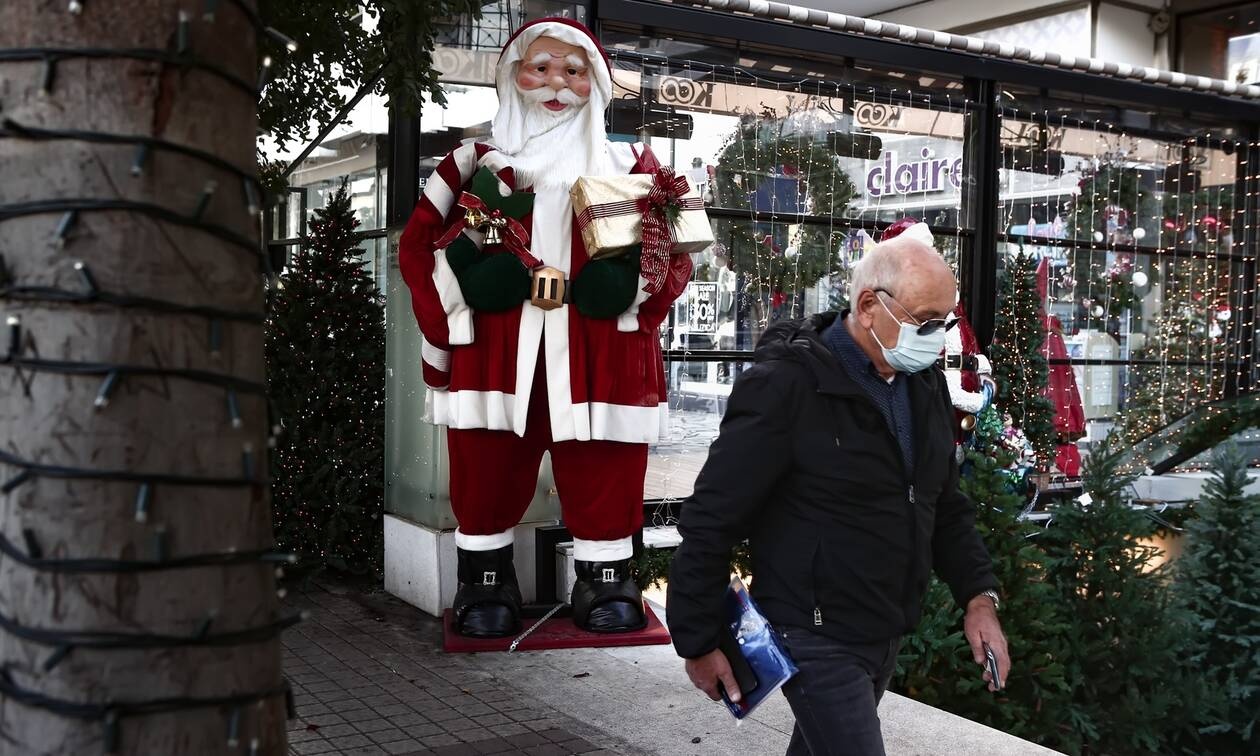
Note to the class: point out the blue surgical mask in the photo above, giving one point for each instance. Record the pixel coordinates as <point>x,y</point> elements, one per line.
<point>913,352</point>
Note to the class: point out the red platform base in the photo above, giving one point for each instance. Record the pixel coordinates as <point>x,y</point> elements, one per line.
<point>555,633</point>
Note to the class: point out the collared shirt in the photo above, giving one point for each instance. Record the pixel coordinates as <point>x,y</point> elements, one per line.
<point>892,397</point>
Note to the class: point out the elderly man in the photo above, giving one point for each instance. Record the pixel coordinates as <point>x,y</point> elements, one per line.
<point>836,461</point>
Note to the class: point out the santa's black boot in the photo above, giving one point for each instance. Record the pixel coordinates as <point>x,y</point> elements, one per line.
<point>488,602</point>
<point>606,598</point>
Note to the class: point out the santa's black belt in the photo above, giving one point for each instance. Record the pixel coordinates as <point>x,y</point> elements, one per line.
<point>957,362</point>
<point>545,288</point>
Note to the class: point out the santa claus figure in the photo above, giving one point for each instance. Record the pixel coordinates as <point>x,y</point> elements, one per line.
<point>537,350</point>
<point>968,373</point>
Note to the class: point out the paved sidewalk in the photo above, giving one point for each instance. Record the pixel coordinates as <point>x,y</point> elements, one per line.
<point>370,678</point>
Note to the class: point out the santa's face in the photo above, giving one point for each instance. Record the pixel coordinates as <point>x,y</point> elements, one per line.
<point>554,76</point>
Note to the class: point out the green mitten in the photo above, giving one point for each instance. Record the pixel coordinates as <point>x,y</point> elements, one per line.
<point>606,288</point>
<point>462,253</point>
<point>494,283</point>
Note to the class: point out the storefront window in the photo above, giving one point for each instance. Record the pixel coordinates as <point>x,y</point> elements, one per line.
<point>797,178</point>
<point>1223,43</point>
<point>1139,267</point>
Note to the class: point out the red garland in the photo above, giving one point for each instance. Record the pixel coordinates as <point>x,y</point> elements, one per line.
<point>667,193</point>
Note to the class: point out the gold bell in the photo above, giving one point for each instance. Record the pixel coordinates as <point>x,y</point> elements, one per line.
<point>493,231</point>
<point>474,218</point>
<point>968,423</point>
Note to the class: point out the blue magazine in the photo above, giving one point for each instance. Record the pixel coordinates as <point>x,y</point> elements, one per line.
<point>760,647</point>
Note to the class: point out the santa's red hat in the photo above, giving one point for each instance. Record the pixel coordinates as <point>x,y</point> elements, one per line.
<point>507,135</point>
<point>544,27</point>
<point>911,228</point>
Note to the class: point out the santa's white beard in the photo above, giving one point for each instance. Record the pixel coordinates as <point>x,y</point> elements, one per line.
<point>560,147</point>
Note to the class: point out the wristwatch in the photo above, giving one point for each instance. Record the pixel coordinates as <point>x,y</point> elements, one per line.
<point>993,595</point>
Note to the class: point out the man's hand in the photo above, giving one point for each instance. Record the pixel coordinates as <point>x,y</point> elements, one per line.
<point>981,626</point>
<point>708,670</point>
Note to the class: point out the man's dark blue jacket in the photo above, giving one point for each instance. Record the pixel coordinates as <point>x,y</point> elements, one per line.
<point>805,467</point>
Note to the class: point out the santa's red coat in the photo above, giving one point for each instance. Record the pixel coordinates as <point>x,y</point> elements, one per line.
<point>605,378</point>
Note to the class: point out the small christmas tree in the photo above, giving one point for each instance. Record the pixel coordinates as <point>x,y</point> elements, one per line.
<point>1019,363</point>
<point>325,349</point>
<point>1218,582</point>
<point>1133,691</point>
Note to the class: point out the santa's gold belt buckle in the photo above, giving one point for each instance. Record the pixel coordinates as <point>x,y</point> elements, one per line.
<point>548,289</point>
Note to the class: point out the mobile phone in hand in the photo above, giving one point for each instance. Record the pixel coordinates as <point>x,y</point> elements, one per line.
<point>990,659</point>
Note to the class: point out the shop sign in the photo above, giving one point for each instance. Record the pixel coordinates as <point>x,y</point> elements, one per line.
<point>683,92</point>
<point>460,66</point>
<point>893,176</point>
<point>702,297</point>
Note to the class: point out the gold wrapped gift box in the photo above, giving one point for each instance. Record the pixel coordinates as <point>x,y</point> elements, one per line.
<point>609,211</point>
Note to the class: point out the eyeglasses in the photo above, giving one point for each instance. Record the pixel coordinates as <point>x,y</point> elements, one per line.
<point>926,327</point>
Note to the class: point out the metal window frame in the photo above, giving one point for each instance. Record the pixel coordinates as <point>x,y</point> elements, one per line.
<point>983,78</point>
<point>901,55</point>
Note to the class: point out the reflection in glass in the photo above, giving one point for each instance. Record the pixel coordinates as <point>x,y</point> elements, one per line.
<point>1186,444</point>
<point>796,177</point>
<point>1137,236</point>
<point>697,398</point>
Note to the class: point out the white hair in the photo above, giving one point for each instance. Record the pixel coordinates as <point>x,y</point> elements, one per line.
<point>878,269</point>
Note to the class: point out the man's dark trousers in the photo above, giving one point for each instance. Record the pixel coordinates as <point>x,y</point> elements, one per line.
<point>835,694</point>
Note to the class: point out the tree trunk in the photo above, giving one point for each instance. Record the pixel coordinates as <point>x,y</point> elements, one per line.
<point>153,425</point>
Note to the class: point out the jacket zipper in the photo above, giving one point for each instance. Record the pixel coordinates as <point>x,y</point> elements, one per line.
<point>914,530</point>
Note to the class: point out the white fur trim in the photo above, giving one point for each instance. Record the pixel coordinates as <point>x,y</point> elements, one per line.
<point>628,321</point>
<point>603,551</point>
<point>982,365</point>
<point>624,423</point>
<point>551,237</point>
<point>427,414</point>
<point>484,542</point>
<point>495,410</point>
<point>622,157</point>
<point>468,410</point>
<point>966,401</point>
<point>435,356</point>
<point>459,320</point>
<point>529,336</point>
<point>564,425</point>
<point>920,233</point>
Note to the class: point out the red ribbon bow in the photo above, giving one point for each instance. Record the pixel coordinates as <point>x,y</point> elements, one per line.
<point>667,191</point>
<point>515,236</point>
